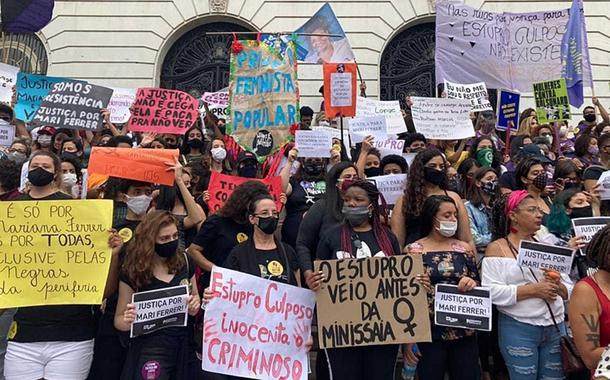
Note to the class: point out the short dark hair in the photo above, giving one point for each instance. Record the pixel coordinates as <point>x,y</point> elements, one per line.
<point>116,140</point>
<point>588,107</point>
<point>77,165</point>
<point>523,168</point>
<point>600,127</point>
<point>394,159</point>
<point>7,109</point>
<point>306,111</point>
<point>603,140</point>
<point>9,175</point>
<point>77,142</point>
<point>563,168</point>
<point>581,145</point>
<point>410,138</point>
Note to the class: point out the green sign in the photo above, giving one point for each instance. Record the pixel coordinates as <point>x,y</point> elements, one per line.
<point>552,103</point>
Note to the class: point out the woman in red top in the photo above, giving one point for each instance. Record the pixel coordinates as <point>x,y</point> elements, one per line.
<point>589,309</point>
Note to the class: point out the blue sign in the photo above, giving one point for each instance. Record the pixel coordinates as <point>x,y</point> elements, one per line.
<point>508,109</point>
<point>31,89</point>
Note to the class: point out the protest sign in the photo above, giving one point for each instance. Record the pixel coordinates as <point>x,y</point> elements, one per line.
<point>221,187</point>
<point>467,310</point>
<point>475,92</point>
<point>333,132</point>
<point>409,157</point>
<point>362,126</point>
<point>587,227</point>
<point>371,301</point>
<point>277,318</point>
<point>387,147</point>
<point>121,100</point>
<point>552,103</point>
<point>147,165</point>
<point>604,182</point>
<point>163,111</point>
<point>313,143</point>
<point>263,97</point>
<point>7,133</point>
<point>73,105</point>
<point>218,110</point>
<point>340,89</point>
<point>544,256</point>
<point>392,186</point>
<point>54,252</point>
<point>31,89</point>
<point>160,308</point>
<point>503,50</point>
<point>8,79</point>
<point>508,109</point>
<point>389,109</point>
<point>442,119</point>
<point>220,98</point>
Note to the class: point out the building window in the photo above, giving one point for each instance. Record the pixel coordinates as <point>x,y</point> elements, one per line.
<point>26,51</point>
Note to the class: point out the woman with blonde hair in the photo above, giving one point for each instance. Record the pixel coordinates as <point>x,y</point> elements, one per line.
<point>528,126</point>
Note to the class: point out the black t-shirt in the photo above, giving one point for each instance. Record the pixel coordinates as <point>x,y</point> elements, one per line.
<point>66,323</point>
<point>268,264</point>
<point>304,195</point>
<point>364,244</point>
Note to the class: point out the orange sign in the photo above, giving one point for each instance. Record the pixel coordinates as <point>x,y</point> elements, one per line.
<point>340,89</point>
<point>147,165</point>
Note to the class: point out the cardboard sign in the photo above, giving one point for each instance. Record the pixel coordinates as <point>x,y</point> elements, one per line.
<point>121,100</point>
<point>442,119</point>
<point>313,143</point>
<point>392,186</point>
<point>147,165</point>
<point>256,328</point>
<point>508,109</point>
<point>158,309</point>
<point>476,93</point>
<point>31,90</point>
<point>552,102</point>
<point>388,147</point>
<point>360,127</point>
<point>8,79</point>
<point>221,187</point>
<point>390,109</point>
<point>163,111</point>
<point>263,97</point>
<point>587,227</point>
<point>544,256</point>
<point>372,301</point>
<point>604,182</point>
<point>7,133</point>
<point>220,98</point>
<point>54,252</point>
<point>466,310</point>
<point>340,89</point>
<point>73,105</point>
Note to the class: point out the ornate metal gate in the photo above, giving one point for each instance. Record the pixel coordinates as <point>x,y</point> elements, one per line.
<point>24,50</point>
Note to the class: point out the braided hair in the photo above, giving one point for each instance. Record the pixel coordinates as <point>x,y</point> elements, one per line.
<point>598,250</point>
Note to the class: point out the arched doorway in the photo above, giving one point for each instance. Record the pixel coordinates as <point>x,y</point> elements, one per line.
<point>26,51</point>
<point>407,64</point>
<point>200,61</point>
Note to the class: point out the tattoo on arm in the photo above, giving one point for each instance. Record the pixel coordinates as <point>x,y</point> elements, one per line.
<point>592,322</point>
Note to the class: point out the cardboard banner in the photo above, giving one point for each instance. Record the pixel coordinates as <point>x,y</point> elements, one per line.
<point>362,126</point>
<point>504,50</point>
<point>392,186</point>
<point>475,92</point>
<point>221,187</point>
<point>313,143</point>
<point>390,109</point>
<point>552,103</point>
<point>604,182</point>
<point>372,301</point>
<point>508,110</point>
<point>158,309</point>
<point>466,310</point>
<point>147,165</point>
<point>54,252</point>
<point>163,111</point>
<point>121,100</point>
<point>256,328</point>
<point>263,97</point>
<point>220,98</point>
<point>544,256</point>
<point>7,133</point>
<point>340,89</point>
<point>388,147</point>
<point>587,227</point>
<point>442,119</point>
<point>31,90</point>
<point>73,105</point>
<point>8,79</point>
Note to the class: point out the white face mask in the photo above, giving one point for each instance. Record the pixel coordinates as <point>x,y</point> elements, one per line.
<point>447,228</point>
<point>44,140</point>
<point>139,205</point>
<point>219,154</point>
<point>69,179</point>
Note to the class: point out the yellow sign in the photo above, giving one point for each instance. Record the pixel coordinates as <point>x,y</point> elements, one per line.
<point>54,252</point>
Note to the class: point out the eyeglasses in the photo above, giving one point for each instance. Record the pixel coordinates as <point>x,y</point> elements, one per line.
<point>533,210</point>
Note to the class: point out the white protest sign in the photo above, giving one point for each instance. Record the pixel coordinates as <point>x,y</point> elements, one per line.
<point>277,321</point>
<point>8,79</point>
<point>587,227</point>
<point>121,100</point>
<point>409,157</point>
<point>389,109</point>
<point>360,127</point>
<point>544,256</point>
<point>158,309</point>
<point>313,143</point>
<point>219,110</point>
<point>392,186</point>
<point>387,147</point>
<point>441,118</point>
<point>7,133</point>
<point>604,181</point>
<point>220,98</point>
<point>467,310</point>
<point>476,93</point>
<point>341,90</point>
<point>333,132</point>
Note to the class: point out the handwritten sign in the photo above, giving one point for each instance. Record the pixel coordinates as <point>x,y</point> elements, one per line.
<point>387,147</point>
<point>7,133</point>
<point>31,90</point>
<point>261,325</point>
<point>222,186</point>
<point>313,143</point>
<point>54,252</point>
<point>587,227</point>
<point>552,102</point>
<point>390,109</point>
<point>544,256</point>
<point>467,310</point>
<point>340,89</point>
<point>392,186</point>
<point>220,97</point>
<point>475,92</point>
<point>147,165</point>
<point>121,100</point>
<point>508,109</point>
<point>8,79</point>
<point>372,301</point>
<point>160,308</point>
<point>604,182</point>
<point>442,119</point>
<point>362,126</point>
<point>163,111</point>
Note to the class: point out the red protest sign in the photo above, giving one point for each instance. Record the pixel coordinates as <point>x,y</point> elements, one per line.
<point>221,187</point>
<point>340,89</point>
<point>163,111</point>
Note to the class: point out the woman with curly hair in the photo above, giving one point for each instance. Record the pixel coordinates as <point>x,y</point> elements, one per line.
<point>153,262</point>
<point>586,151</point>
<point>427,177</point>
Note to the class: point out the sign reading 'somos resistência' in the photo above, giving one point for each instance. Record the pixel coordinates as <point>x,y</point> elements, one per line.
<point>160,308</point>
<point>587,227</point>
<point>54,252</point>
<point>544,256</point>
<point>371,301</point>
<point>469,310</point>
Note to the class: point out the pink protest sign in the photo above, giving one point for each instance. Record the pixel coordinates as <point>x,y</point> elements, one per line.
<point>163,111</point>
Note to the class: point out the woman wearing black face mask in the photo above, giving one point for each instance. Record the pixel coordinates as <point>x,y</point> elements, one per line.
<point>193,145</point>
<point>479,195</point>
<point>567,205</point>
<point>154,261</point>
<point>533,177</point>
<point>369,160</point>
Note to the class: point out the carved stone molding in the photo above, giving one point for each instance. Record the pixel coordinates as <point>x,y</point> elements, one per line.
<point>218,6</point>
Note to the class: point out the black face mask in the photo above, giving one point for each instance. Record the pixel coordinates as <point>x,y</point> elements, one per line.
<point>313,169</point>
<point>581,212</point>
<point>268,224</point>
<point>168,249</point>
<point>248,171</point>
<point>40,177</point>
<point>70,155</point>
<point>195,143</point>
<point>590,117</point>
<point>223,130</point>
<point>372,172</point>
<point>453,184</point>
<point>172,146</point>
<point>435,177</point>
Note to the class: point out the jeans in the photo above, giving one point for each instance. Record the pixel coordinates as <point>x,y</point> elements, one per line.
<point>530,352</point>
<point>460,357</point>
